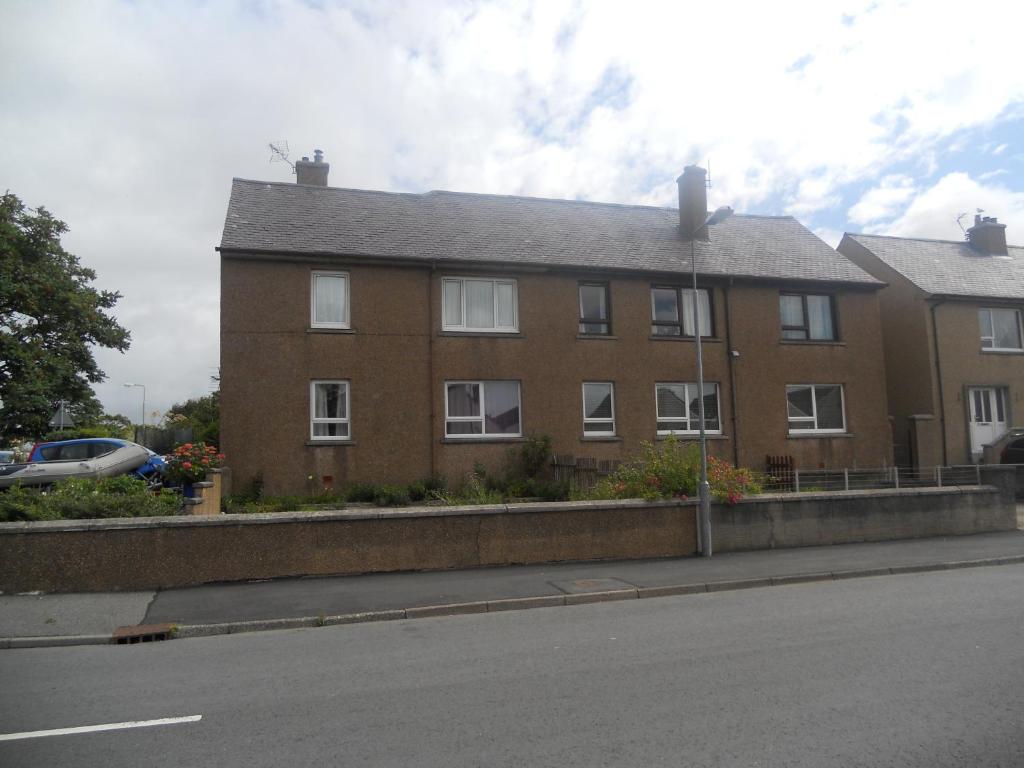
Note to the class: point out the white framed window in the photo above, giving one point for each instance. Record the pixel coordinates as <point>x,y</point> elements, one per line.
<point>595,309</point>
<point>807,317</point>
<point>480,409</point>
<point>598,408</point>
<point>678,408</point>
<point>672,311</point>
<point>329,300</point>
<point>1000,330</point>
<point>479,304</point>
<point>816,408</point>
<point>329,410</point>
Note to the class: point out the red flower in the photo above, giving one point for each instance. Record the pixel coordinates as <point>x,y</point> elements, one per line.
<point>186,465</point>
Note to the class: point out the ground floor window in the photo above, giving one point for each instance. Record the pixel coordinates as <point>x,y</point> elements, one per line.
<point>678,408</point>
<point>482,409</point>
<point>598,408</point>
<point>329,411</point>
<point>815,408</point>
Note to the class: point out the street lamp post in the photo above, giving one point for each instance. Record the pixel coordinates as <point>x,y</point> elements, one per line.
<point>705,488</point>
<point>129,384</point>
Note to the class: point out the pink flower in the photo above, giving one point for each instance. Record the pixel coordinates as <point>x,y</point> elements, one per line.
<point>186,465</point>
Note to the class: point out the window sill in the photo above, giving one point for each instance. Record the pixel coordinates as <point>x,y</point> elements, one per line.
<point>601,439</point>
<point>818,435</point>
<point>485,439</point>
<point>688,436</point>
<point>596,336</point>
<point>812,343</point>
<point>330,330</point>
<point>1002,351</point>
<point>484,334</point>
<point>328,443</point>
<point>691,339</point>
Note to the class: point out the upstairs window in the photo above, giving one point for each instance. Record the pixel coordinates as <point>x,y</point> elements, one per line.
<point>672,311</point>
<point>328,410</point>
<point>482,409</point>
<point>815,408</point>
<point>1000,330</point>
<point>595,314</point>
<point>598,409</point>
<point>678,408</point>
<point>479,304</point>
<point>807,317</point>
<point>329,300</point>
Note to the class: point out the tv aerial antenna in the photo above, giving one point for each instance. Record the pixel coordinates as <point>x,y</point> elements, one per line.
<point>279,153</point>
<point>960,218</point>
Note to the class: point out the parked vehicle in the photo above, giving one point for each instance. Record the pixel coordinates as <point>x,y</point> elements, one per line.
<point>1013,453</point>
<point>87,457</point>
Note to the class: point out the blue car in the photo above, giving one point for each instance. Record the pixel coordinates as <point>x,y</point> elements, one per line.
<point>91,448</point>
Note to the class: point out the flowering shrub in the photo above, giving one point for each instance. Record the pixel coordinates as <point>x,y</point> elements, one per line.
<point>674,472</point>
<point>190,462</point>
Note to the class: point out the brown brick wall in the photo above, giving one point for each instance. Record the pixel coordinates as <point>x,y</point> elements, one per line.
<point>397,361</point>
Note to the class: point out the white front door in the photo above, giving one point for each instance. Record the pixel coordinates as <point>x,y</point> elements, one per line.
<point>988,416</point>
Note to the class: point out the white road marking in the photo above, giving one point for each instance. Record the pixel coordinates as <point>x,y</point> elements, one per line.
<point>103,727</point>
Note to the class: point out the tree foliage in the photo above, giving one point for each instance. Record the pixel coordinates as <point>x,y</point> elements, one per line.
<point>200,413</point>
<point>50,318</point>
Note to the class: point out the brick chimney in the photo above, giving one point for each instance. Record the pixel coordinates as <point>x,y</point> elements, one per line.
<point>693,203</point>
<point>987,236</point>
<point>314,172</point>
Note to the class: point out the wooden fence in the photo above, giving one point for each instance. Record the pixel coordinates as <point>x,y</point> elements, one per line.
<point>580,471</point>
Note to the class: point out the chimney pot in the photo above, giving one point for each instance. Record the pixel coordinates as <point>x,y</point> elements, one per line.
<point>315,172</point>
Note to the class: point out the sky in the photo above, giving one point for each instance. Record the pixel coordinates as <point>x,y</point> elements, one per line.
<point>128,120</point>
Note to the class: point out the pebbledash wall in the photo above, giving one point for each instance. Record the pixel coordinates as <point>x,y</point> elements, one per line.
<point>152,553</point>
<point>397,360</point>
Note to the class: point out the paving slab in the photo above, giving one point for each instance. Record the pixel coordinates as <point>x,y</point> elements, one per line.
<point>71,615</point>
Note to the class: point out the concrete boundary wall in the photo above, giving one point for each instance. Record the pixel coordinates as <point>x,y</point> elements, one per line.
<point>153,553</point>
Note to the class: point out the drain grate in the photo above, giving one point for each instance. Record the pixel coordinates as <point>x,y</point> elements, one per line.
<point>144,633</point>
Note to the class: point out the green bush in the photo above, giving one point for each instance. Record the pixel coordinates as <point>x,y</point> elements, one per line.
<point>673,471</point>
<point>80,498</point>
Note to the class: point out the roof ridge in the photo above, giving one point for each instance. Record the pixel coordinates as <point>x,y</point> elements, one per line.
<point>922,239</point>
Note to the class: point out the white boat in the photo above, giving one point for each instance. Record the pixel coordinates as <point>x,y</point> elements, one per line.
<point>119,461</point>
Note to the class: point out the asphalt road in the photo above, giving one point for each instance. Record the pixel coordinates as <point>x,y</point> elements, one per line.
<point>913,670</point>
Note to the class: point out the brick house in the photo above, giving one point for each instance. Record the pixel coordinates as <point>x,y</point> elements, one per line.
<point>391,337</point>
<point>954,348</point>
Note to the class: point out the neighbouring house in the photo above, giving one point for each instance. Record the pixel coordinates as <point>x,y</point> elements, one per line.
<point>374,336</point>
<point>954,348</point>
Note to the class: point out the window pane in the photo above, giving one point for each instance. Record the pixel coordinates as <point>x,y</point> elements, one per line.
<point>506,305</point>
<point>479,304</point>
<point>672,401</point>
<point>330,299</point>
<point>452,302</point>
<point>800,404</point>
<point>593,302</point>
<point>597,401</point>
<point>791,310</point>
<point>463,399</point>
<point>1006,328</point>
<point>464,428</point>
<point>819,311</point>
<point>333,429</point>
<point>594,328</point>
<point>830,407</point>
<point>711,407</point>
<point>705,312</point>
<point>977,405</point>
<point>329,401</point>
<point>674,426</point>
<point>599,427</point>
<point>793,333</point>
<point>501,399</point>
<point>664,305</point>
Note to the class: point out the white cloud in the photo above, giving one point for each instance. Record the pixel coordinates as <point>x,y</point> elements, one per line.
<point>882,201</point>
<point>128,119</point>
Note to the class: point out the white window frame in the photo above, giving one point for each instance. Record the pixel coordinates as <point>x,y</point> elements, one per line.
<point>992,331</point>
<point>482,418</point>
<point>314,420</point>
<point>813,418</point>
<point>689,420</point>
<point>494,281</point>
<point>344,324</point>
<point>602,422</point>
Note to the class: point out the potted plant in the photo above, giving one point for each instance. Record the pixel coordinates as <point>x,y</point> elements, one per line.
<point>188,464</point>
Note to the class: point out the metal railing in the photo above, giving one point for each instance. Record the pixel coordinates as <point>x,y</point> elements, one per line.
<point>810,480</point>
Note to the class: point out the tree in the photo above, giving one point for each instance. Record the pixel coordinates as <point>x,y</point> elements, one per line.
<point>200,413</point>
<point>50,317</point>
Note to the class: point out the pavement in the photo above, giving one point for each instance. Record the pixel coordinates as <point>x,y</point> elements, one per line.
<point>40,620</point>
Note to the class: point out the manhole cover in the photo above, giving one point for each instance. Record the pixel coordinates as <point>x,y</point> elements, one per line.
<point>582,586</point>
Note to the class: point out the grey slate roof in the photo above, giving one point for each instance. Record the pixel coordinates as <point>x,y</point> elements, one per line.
<point>454,227</point>
<point>948,267</point>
